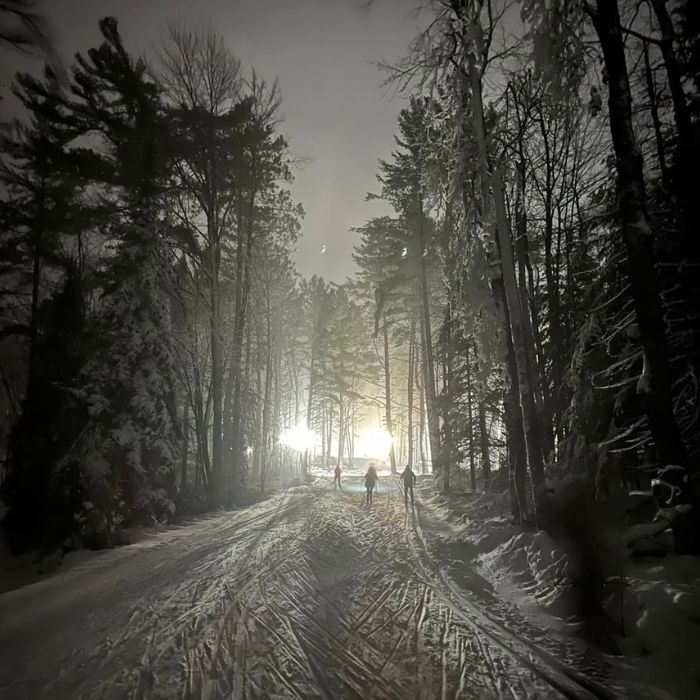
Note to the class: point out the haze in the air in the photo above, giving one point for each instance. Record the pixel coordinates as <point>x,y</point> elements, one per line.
<point>442,444</point>
<point>324,53</point>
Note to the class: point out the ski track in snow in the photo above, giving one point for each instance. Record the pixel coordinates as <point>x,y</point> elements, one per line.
<point>307,595</point>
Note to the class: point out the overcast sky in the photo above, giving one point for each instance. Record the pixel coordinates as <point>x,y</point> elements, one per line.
<point>336,114</point>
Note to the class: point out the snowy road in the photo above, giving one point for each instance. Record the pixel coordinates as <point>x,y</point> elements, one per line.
<point>306,595</point>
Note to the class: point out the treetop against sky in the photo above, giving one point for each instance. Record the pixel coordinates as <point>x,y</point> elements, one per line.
<point>339,117</point>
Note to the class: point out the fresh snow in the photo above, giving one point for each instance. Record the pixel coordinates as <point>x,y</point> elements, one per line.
<point>308,594</point>
<point>654,603</point>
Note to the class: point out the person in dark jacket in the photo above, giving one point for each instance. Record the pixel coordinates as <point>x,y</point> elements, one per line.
<point>409,478</point>
<point>370,482</point>
<point>336,481</point>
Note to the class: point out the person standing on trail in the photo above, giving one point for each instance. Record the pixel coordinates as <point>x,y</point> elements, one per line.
<point>409,478</point>
<point>370,482</point>
<point>336,481</point>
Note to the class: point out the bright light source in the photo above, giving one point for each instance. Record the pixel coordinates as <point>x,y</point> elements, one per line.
<point>299,438</point>
<point>375,443</point>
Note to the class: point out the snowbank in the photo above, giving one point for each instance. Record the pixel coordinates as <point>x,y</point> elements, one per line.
<point>658,604</point>
<point>652,603</point>
<point>26,569</point>
<point>536,563</point>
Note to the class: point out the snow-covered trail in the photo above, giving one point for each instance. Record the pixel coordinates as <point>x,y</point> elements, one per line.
<point>308,594</point>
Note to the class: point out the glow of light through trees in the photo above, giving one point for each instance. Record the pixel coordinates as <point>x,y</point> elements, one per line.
<point>299,438</point>
<point>375,443</point>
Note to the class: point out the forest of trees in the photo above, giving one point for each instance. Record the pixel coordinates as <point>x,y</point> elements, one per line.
<point>544,245</point>
<point>147,235</point>
<point>527,316</point>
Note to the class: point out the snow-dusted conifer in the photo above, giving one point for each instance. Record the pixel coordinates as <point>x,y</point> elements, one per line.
<point>128,451</point>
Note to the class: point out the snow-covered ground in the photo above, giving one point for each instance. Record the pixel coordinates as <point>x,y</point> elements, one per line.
<point>652,603</point>
<point>308,594</point>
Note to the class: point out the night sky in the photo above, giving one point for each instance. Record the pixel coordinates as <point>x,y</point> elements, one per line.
<point>337,116</point>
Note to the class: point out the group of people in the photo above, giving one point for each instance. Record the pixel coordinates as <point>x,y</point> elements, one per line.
<point>371,477</point>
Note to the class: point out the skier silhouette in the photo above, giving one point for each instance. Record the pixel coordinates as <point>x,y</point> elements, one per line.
<point>409,478</point>
<point>370,482</point>
<point>336,481</point>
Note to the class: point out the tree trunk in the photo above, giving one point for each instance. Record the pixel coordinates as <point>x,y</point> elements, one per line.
<point>428,355</point>
<point>447,447</point>
<point>244,256</point>
<point>409,393</point>
<point>685,183</point>
<point>216,485</point>
<point>550,415</point>
<point>185,445</point>
<point>324,432</point>
<point>197,467</point>
<point>273,431</point>
<point>201,420</point>
<point>421,420</point>
<point>548,406</point>
<point>531,427</point>
<point>686,141</point>
<point>341,432</point>
<point>484,445</point>
<point>470,421</point>
<point>267,410</point>
<point>267,400</point>
<point>256,407</point>
<point>236,439</point>
<point>351,438</point>
<point>656,121</point>
<point>329,442</point>
<point>507,296</point>
<point>515,439</point>
<point>36,290</point>
<point>387,397</point>
<point>309,409</point>
<point>655,382</point>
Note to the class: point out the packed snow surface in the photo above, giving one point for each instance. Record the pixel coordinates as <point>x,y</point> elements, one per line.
<point>309,594</point>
